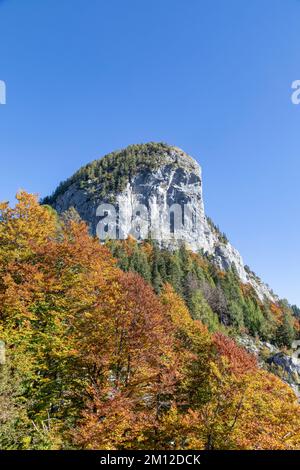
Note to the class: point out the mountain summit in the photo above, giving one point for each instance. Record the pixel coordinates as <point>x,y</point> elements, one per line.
<point>156,176</point>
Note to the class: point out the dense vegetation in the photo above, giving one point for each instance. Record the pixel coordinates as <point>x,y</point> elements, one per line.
<point>215,297</point>
<point>113,171</point>
<point>97,358</point>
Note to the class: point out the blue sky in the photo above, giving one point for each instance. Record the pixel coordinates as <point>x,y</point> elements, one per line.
<point>211,76</point>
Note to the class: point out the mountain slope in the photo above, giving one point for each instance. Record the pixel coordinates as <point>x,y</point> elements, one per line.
<point>156,176</point>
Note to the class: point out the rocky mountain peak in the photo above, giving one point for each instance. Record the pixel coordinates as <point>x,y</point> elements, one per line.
<point>163,180</point>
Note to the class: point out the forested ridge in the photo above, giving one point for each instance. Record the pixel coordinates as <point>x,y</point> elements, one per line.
<point>127,346</point>
<point>113,171</point>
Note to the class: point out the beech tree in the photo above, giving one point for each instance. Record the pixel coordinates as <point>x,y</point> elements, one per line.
<point>95,359</point>
<point>131,362</point>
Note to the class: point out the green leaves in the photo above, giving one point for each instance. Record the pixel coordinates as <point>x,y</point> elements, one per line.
<point>96,359</point>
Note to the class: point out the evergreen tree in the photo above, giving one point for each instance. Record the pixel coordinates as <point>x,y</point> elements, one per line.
<point>200,310</point>
<point>156,278</point>
<point>296,311</point>
<point>174,271</point>
<point>138,263</point>
<point>236,313</point>
<point>285,333</point>
<point>253,317</point>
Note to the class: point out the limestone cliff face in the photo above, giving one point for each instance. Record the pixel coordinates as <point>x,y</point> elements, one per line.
<point>157,178</point>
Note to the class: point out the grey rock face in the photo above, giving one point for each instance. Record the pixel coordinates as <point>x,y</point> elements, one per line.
<point>288,368</point>
<point>176,180</point>
<point>289,364</point>
<point>269,356</point>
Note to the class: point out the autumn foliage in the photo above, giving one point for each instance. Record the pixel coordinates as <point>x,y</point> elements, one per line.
<point>97,360</point>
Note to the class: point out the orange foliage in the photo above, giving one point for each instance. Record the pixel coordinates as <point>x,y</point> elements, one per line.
<point>247,289</point>
<point>148,249</point>
<point>277,312</point>
<point>239,360</point>
<point>131,369</point>
<point>132,360</point>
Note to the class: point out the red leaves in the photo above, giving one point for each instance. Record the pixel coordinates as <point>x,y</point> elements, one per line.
<point>131,369</point>
<point>239,361</point>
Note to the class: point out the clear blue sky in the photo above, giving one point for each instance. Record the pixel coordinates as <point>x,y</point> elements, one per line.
<point>211,76</point>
